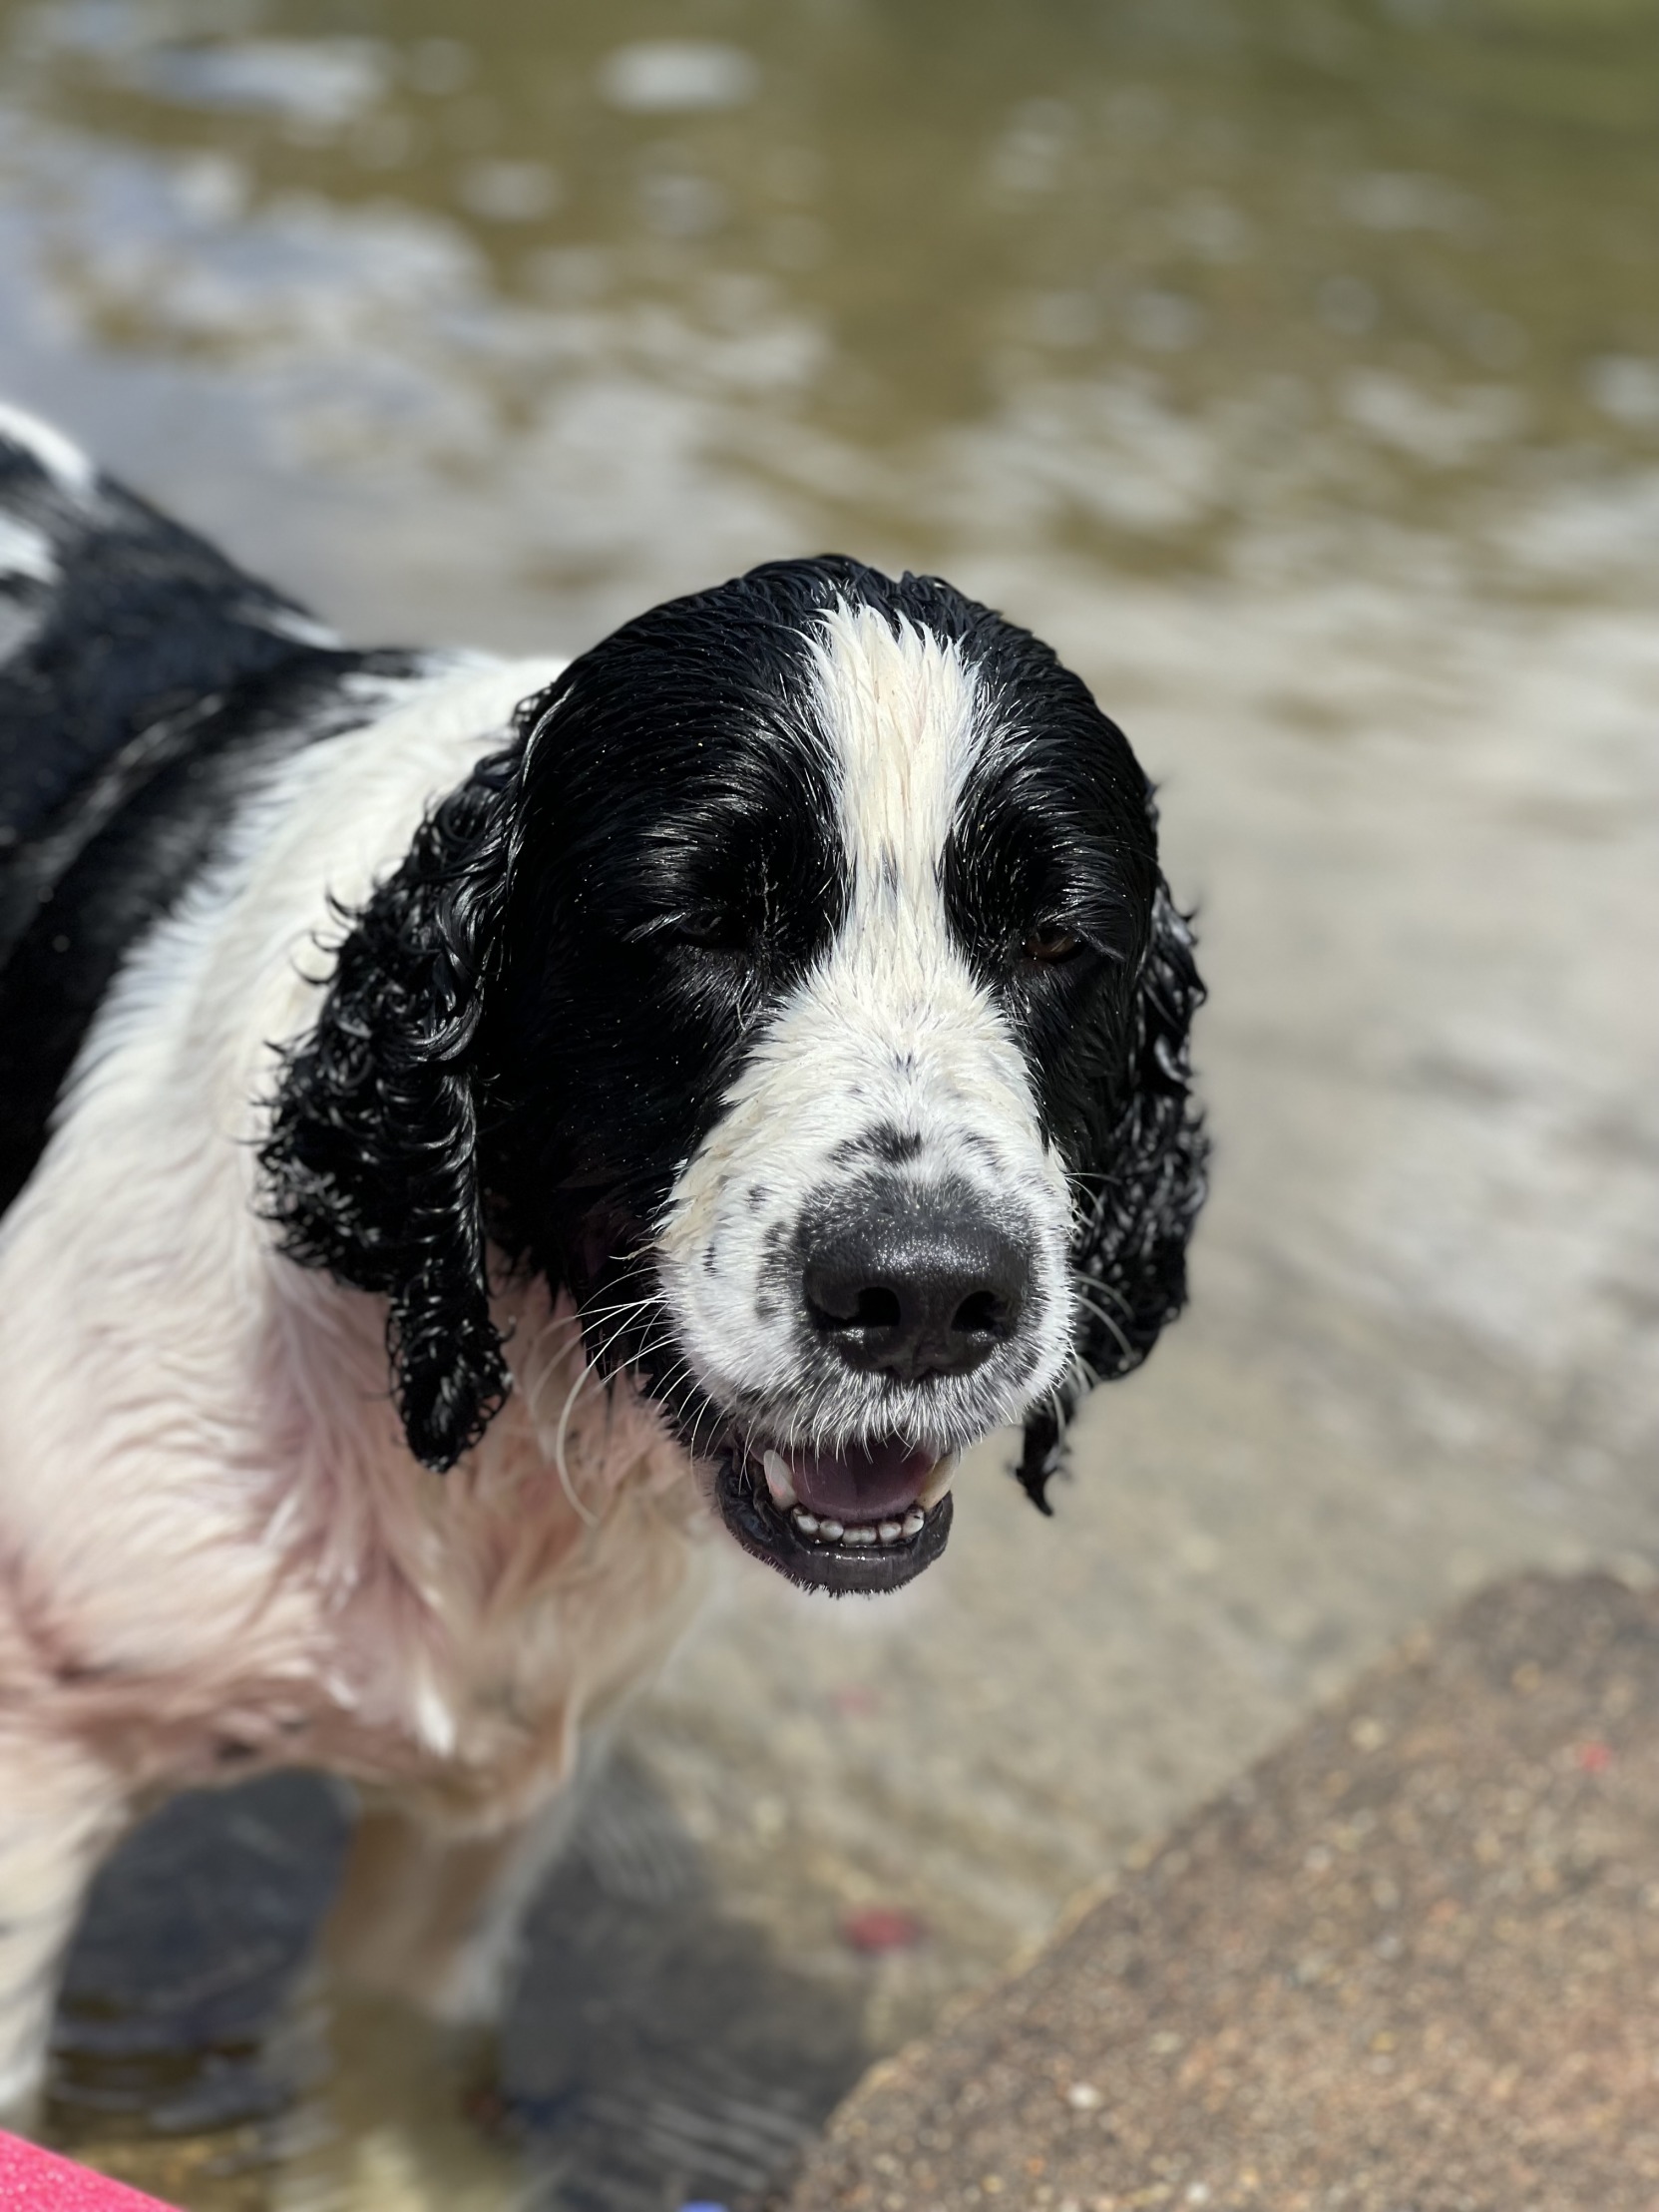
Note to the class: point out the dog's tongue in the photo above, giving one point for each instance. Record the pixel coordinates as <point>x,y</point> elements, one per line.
<point>871,1482</point>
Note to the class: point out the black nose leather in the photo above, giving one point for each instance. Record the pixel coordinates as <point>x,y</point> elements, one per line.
<point>912,1283</point>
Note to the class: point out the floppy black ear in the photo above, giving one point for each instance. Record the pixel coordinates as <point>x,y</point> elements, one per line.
<point>372,1153</point>
<point>1138,1200</point>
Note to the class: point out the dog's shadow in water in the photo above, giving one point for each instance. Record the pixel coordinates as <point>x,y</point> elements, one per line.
<point>656,2049</point>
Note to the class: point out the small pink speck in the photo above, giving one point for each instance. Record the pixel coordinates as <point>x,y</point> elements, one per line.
<point>877,1928</point>
<point>855,1702</point>
<point>1596,1759</point>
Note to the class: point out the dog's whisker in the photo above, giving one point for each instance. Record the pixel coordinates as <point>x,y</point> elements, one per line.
<point>612,1312</point>
<point>1110,1325</point>
<point>1094,1284</point>
<point>583,1511</point>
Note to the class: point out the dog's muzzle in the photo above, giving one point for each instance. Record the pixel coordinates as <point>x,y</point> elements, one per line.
<point>906,1291</point>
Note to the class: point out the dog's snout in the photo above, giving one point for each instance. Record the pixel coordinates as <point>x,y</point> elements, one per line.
<point>913,1284</point>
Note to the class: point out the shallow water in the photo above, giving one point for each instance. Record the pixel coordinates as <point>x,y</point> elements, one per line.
<point>1294,367</point>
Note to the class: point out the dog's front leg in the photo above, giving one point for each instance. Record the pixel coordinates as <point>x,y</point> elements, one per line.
<point>429,1914</point>
<point>60,1810</point>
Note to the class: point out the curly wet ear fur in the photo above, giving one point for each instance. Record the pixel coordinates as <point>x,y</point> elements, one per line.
<point>372,1153</point>
<point>1136,1205</point>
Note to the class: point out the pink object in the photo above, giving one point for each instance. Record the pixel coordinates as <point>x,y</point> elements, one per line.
<point>878,1927</point>
<point>33,2180</point>
<point>855,1703</point>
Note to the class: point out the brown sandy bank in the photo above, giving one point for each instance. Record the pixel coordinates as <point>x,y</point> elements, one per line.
<point>1410,1964</point>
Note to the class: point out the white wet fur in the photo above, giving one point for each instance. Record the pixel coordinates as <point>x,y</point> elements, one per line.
<point>211,1532</point>
<point>63,461</point>
<point>28,562</point>
<point>892,1029</point>
<point>26,552</point>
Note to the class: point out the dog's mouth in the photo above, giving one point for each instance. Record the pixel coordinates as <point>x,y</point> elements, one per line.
<point>865,1520</point>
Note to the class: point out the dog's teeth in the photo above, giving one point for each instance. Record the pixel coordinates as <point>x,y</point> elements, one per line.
<point>862,1533</point>
<point>778,1481</point>
<point>939,1482</point>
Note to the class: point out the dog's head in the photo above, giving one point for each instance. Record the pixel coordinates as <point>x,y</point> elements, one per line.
<point>800,992</point>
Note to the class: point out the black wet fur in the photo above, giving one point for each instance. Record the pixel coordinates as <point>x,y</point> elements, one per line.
<point>1141,1187</point>
<point>148,694</point>
<point>372,1158</point>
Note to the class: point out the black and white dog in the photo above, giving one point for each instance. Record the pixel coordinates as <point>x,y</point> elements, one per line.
<point>463,1125</point>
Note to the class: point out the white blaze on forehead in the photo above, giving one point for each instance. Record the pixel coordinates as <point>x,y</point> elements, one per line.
<point>901,711</point>
<point>892,1022</point>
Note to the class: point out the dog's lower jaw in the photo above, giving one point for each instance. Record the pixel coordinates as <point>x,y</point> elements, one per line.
<point>865,1559</point>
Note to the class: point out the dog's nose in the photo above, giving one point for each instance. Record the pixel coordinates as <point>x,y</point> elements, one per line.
<point>912,1285</point>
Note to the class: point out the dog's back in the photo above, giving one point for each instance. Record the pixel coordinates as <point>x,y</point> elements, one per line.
<point>139,672</point>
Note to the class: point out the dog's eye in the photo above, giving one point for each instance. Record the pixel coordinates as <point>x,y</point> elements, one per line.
<point>1051,944</point>
<point>708,929</point>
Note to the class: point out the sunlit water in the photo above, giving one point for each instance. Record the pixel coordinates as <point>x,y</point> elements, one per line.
<point>1294,368</point>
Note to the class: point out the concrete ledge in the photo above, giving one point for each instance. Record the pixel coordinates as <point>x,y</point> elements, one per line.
<point>1411,1964</point>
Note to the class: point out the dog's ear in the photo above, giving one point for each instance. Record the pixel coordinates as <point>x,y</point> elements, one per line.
<point>371,1157</point>
<point>1137,1200</point>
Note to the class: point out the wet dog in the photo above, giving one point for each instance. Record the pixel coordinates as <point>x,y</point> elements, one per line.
<point>466,1124</point>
